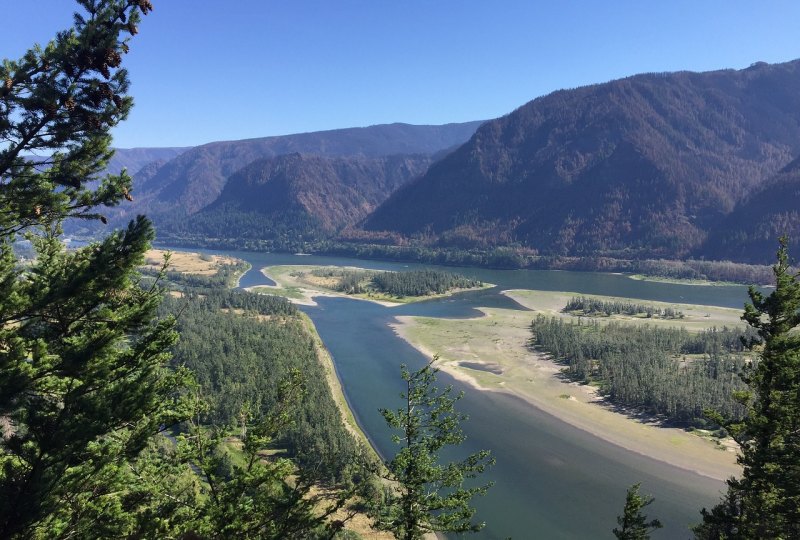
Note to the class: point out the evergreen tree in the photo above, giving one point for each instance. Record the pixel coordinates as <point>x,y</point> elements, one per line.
<point>765,501</point>
<point>430,496</point>
<point>253,499</point>
<point>633,523</point>
<point>83,381</point>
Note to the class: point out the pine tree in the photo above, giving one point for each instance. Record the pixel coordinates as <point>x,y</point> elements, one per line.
<point>765,501</point>
<point>83,380</point>
<point>430,496</point>
<point>254,499</point>
<point>633,523</point>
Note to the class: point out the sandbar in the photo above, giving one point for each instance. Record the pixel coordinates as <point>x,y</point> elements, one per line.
<point>497,345</point>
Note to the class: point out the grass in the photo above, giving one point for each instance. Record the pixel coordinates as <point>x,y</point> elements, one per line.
<point>186,262</point>
<point>286,292</point>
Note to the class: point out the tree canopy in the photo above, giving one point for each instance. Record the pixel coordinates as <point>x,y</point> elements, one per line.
<point>765,501</point>
<point>83,378</point>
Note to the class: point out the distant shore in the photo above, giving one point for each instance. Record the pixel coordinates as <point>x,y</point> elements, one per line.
<point>303,291</point>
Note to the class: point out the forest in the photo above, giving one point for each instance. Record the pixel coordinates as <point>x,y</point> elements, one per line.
<point>666,372</point>
<point>239,346</point>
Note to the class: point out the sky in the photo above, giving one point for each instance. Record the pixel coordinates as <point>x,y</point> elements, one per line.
<point>204,70</point>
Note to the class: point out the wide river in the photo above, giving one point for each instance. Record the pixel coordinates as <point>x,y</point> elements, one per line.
<point>551,479</point>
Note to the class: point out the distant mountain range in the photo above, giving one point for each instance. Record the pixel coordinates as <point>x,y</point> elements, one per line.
<point>298,198</point>
<point>647,166</point>
<point>170,190</point>
<point>659,165</point>
<point>133,159</point>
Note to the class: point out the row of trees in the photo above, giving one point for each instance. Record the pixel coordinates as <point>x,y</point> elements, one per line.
<point>594,307</point>
<point>411,283</point>
<point>650,368</point>
<point>510,257</point>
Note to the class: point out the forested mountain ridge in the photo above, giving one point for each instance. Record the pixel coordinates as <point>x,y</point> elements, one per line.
<point>644,166</point>
<point>748,233</point>
<point>297,196</point>
<point>196,178</point>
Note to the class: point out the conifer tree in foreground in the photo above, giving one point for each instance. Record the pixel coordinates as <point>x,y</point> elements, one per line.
<point>633,523</point>
<point>765,501</point>
<point>83,382</point>
<point>430,496</point>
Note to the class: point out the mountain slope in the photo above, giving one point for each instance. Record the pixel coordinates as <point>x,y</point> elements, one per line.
<point>196,178</point>
<point>750,232</point>
<point>642,166</point>
<point>297,197</point>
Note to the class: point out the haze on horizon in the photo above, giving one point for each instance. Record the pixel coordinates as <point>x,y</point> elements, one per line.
<point>202,71</point>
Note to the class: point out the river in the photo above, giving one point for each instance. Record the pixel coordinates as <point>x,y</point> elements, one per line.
<point>551,480</point>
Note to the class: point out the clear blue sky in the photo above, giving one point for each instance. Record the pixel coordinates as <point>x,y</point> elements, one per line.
<point>205,70</point>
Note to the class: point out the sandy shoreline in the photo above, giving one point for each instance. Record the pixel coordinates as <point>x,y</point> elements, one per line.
<point>490,354</point>
<point>508,366</point>
<point>307,294</point>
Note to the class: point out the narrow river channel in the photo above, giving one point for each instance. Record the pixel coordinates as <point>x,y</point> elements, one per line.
<point>551,480</point>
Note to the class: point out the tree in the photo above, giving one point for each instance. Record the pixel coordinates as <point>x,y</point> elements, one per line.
<point>430,496</point>
<point>83,379</point>
<point>254,499</point>
<point>633,523</point>
<point>765,501</point>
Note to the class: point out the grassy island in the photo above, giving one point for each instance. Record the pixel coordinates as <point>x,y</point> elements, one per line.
<point>300,283</point>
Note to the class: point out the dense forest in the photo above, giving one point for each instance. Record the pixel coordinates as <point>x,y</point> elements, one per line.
<point>593,307</point>
<point>239,346</point>
<point>641,167</point>
<point>666,372</point>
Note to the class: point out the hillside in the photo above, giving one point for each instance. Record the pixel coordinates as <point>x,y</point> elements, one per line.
<point>196,178</point>
<point>134,159</point>
<point>297,197</point>
<point>748,233</point>
<point>644,166</point>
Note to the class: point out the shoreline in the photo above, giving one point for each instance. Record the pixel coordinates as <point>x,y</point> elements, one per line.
<point>533,377</point>
<point>335,386</point>
<point>307,292</point>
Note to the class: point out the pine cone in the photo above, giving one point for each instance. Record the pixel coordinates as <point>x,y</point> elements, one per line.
<point>145,6</point>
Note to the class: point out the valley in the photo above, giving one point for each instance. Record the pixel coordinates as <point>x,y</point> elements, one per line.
<point>515,397</point>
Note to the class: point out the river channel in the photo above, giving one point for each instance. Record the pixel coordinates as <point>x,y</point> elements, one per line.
<point>551,480</point>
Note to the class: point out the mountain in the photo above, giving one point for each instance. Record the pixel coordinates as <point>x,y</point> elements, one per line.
<point>195,179</point>
<point>749,233</point>
<point>298,197</point>
<point>644,166</point>
<point>134,159</point>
